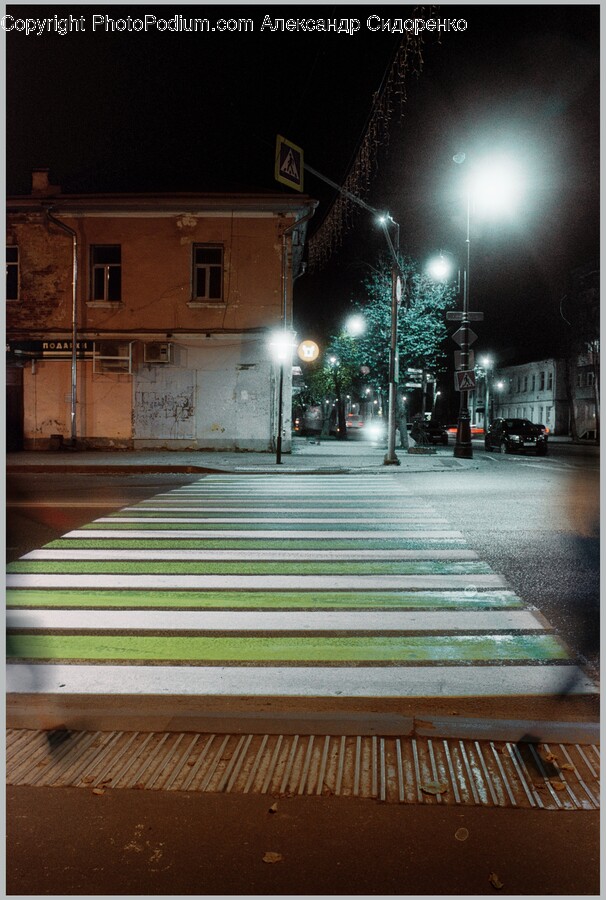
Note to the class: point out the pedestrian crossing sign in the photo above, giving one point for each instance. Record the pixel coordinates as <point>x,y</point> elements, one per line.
<point>465,381</point>
<point>289,163</point>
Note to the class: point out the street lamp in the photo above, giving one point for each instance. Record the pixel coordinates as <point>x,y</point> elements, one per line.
<point>281,344</point>
<point>494,186</point>
<point>396,296</point>
<point>487,365</point>
<point>355,325</point>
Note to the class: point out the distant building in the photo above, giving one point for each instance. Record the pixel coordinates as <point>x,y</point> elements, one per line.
<point>551,392</point>
<point>171,300</point>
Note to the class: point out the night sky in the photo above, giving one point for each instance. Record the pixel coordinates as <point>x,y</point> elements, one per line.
<point>200,112</point>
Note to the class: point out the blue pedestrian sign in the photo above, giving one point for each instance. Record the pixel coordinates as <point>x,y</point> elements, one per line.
<point>289,163</point>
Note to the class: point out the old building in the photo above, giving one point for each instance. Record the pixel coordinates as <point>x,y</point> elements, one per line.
<point>140,321</point>
<point>552,392</point>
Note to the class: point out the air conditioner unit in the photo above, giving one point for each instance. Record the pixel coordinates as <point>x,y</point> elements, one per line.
<point>158,352</point>
<point>112,357</point>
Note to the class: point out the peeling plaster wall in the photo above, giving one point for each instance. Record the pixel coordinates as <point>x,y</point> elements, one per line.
<point>163,405</point>
<point>219,395</point>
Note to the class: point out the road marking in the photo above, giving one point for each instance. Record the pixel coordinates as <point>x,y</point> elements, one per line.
<point>257,578</point>
<point>260,582</point>
<point>259,599</point>
<point>289,650</point>
<point>349,620</point>
<point>92,532</point>
<point>252,556</point>
<point>310,681</point>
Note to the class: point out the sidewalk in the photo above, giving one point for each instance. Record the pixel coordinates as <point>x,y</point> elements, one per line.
<point>307,457</point>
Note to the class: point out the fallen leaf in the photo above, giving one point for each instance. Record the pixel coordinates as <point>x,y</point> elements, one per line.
<point>495,881</point>
<point>434,787</point>
<point>271,857</point>
<point>139,786</point>
<point>98,791</point>
<point>568,766</point>
<point>461,834</point>
<point>558,785</point>
<point>273,809</point>
<point>87,779</point>
<point>550,757</point>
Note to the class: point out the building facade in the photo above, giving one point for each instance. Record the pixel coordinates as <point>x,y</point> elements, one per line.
<point>139,321</point>
<point>550,392</point>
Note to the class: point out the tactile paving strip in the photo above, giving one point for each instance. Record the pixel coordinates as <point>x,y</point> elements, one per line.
<point>390,769</point>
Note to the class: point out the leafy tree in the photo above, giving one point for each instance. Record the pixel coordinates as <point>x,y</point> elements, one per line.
<point>421,321</point>
<point>351,364</point>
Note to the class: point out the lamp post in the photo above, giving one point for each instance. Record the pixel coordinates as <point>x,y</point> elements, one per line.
<point>281,345</point>
<point>487,366</point>
<point>495,187</point>
<point>396,296</point>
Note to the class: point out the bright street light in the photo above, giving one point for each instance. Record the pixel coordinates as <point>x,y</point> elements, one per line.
<point>355,325</point>
<point>439,268</point>
<point>496,186</point>
<point>281,344</point>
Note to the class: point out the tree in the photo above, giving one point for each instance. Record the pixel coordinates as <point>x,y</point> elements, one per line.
<point>421,321</point>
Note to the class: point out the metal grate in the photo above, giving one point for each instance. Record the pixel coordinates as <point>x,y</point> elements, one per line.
<point>390,769</point>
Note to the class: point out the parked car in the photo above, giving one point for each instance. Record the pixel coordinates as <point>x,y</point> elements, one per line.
<point>516,435</point>
<point>429,432</point>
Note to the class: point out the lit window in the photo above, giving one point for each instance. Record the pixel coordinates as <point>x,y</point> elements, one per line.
<point>106,272</point>
<point>208,272</point>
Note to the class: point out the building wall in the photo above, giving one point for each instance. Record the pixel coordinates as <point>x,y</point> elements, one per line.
<point>522,396</point>
<point>219,391</point>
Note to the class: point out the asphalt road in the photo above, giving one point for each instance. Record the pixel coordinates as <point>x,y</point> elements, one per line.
<point>534,520</point>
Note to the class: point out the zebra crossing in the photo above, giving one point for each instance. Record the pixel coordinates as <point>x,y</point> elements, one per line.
<point>276,585</point>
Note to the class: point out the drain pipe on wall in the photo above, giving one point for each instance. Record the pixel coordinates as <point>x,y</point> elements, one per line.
<point>74,386</point>
<point>287,232</point>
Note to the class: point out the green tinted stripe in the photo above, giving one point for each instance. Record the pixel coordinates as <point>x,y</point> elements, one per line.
<point>387,543</point>
<point>262,599</point>
<point>188,567</point>
<point>292,649</point>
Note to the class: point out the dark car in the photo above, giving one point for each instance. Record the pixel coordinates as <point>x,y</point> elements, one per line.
<point>516,435</point>
<point>430,432</point>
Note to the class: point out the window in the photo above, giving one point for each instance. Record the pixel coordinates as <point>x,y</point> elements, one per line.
<point>517,385</point>
<point>580,379</point>
<point>540,413</point>
<point>208,272</point>
<point>106,272</point>
<point>12,273</point>
<point>548,415</point>
<point>590,379</point>
<point>542,384</point>
<point>550,382</point>
<point>525,384</point>
<point>533,383</point>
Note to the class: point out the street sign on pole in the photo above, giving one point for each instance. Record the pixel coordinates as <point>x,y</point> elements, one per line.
<point>455,315</point>
<point>413,384</point>
<point>465,381</point>
<point>289,163</point>
<point>458,360</point>
<point>462,333</point>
